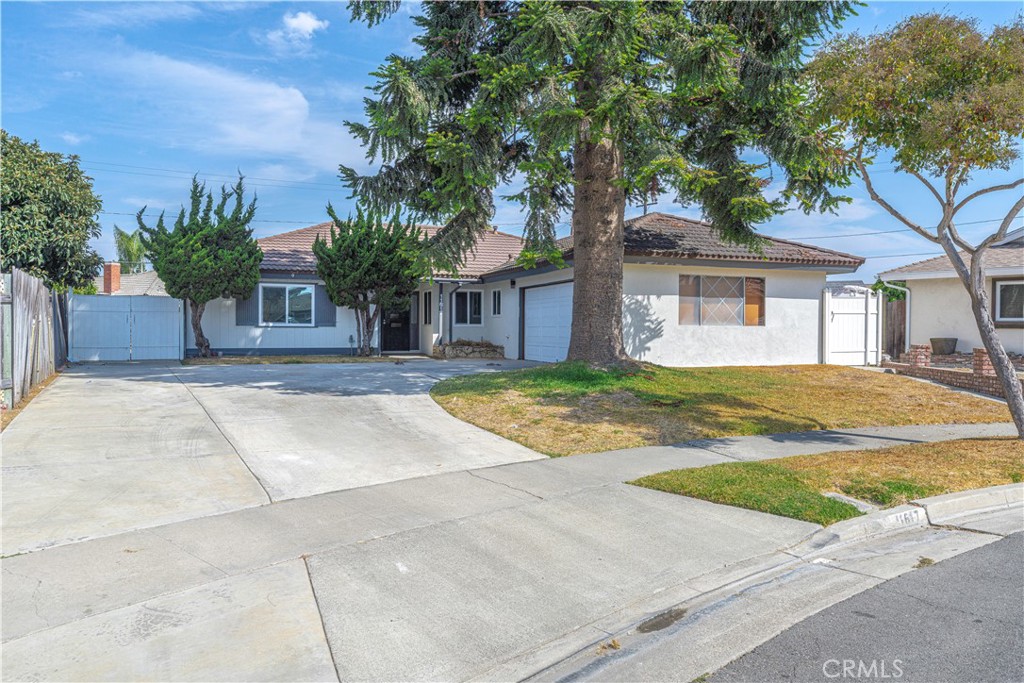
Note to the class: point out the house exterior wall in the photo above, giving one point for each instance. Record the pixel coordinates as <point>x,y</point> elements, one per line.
<point>790,335</point>
<point>651,329</point>
<point>231,339</point>
<point>504,330</point>
<point>940,307</point>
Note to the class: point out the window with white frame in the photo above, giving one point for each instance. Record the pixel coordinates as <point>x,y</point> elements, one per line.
<point>1009,301</point>
<point>469,308</point>
<point>428,315</point>
<point>717,300</point>
<point>496,302</point>
<point>286,304</point>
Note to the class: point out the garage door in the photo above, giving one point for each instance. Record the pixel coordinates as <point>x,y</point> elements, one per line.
<point>547,321</point>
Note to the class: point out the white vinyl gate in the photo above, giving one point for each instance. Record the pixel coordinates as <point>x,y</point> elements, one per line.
<point>118,328</point>
<point>851,331</point>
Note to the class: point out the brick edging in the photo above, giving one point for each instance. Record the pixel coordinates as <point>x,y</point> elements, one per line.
<point>960,378</point>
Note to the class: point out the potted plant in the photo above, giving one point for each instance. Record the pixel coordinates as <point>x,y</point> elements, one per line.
<point>943,346</point>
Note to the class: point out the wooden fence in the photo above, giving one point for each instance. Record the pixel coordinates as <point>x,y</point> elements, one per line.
<point>894,334</point>
<point>33,328</point>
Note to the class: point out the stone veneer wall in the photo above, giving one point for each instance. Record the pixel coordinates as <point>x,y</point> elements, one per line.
<point>468,351</point>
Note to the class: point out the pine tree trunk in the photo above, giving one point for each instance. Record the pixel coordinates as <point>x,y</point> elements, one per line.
<point>202,343</point>
<point>599,206</point>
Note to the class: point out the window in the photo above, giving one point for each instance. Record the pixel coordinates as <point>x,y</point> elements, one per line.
<point>428,317</point>
<point>468,308</point>
<point>286,304</point>
<point>496,302</point>
<point>1009,301</point>
<point>713,300</point>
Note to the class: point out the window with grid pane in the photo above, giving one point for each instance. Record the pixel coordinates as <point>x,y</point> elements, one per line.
<point>711,300</point>
<point>721,301</point>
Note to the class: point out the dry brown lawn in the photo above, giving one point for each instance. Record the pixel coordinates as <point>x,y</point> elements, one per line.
<point>568,408</point>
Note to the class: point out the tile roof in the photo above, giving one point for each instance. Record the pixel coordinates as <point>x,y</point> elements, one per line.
<point>293,251</point>
<point>1009,255</point>
<point>675,237</point>
<point>135,284</point>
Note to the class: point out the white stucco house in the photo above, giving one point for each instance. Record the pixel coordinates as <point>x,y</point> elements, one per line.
<point>690,299</point>
<point>938,305</point>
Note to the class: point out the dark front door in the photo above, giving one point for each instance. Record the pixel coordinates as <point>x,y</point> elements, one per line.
<point>396,331</point>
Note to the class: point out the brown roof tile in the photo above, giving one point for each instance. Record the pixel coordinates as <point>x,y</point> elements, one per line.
<point>293,251</point>
<point>668,236</point>
<point>1008,255</point>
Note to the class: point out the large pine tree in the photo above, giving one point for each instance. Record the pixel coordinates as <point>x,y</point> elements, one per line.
<point>591,105</point>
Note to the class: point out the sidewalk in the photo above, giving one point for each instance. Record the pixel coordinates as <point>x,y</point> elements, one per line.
<point>448,576</point>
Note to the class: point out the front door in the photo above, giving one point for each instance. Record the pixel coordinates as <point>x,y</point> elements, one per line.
<point>396,331</point>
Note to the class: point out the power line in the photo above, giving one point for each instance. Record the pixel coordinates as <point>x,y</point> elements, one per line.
<point>879,232</point>
<point>209,175</point>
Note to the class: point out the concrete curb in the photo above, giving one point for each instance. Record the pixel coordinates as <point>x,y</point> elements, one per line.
<point>718,589</point>
<point>942,509</point>
<point>859,528</point>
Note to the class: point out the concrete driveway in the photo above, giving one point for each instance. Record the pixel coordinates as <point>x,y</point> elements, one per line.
<point>110,448</point>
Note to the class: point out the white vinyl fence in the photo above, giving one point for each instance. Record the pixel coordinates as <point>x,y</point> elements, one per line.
<point>121,328</point>
<point>851,332</point>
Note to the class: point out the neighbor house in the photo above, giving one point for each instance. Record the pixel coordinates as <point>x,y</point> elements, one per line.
<point>939,306</point>
<point>116,283</point>
<point>690,298</point>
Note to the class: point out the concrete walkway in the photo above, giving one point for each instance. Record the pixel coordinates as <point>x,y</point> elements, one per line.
<point>108,448</point>
<point>490,572</point>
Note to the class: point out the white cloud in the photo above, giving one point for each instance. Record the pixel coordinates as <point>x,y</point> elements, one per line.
<point>73,138</point>
<point>218,111</point>
<point>295,36</point>
<point>131,15</point>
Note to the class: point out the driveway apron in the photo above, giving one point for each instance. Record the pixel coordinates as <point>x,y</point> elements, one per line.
<point>110,448</point>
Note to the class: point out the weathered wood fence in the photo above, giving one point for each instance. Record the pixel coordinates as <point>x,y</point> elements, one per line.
<point>894,334</point>
<point>34,333</point>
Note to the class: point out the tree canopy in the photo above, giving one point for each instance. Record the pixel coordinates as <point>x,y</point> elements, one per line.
<point>208,253</point>
<point>131,253</point>
<point>369,265</point>
<point>947,101</point>
<point>501,89</point>
<point>48,215</point>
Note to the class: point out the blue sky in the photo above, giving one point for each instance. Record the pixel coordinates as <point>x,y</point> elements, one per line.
<point>148,93</point>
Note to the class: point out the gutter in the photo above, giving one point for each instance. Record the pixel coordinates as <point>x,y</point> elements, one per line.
<point>906,323</point>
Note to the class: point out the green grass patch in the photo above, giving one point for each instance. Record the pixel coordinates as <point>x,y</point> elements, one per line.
<point>755,486</point>
<point>886,477</point>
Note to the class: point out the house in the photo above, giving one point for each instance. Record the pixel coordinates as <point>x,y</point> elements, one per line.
<point>690,299</point>
<point>939,306</point>
<point>114,283</point>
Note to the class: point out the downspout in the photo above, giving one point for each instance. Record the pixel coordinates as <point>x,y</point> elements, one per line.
<point>440,314</point>
<point>906,322</point>
<point>451,318</point>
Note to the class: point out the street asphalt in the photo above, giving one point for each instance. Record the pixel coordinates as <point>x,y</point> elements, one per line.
<point>959,620</point>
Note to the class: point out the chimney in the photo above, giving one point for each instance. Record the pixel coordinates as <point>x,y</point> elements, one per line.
<point>111,277</point>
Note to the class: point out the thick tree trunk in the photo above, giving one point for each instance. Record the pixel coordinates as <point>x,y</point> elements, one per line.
<point>367,322</point>
<point>599,205</point>
<point>202,343</point>
<point>975,283</point>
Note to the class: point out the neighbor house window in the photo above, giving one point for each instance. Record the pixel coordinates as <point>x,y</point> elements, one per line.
<point>286,304</point>
<point>1009,301</point>
<point>428,317</point>
<point>496,302</point>
<point>468,308</point>
<point>716,300</point>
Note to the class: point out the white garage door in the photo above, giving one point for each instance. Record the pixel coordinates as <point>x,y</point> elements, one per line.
<point>547,321</point>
